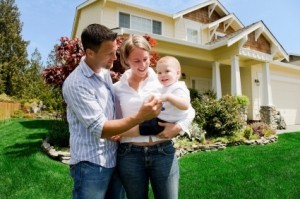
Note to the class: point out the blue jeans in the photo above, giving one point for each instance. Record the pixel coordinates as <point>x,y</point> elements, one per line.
<point>92,181</point>
<point>158,164</point>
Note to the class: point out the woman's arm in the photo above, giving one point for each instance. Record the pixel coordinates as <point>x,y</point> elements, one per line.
<point>172,130</point>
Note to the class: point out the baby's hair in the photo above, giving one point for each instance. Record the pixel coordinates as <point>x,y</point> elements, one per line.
<point>170,60</point>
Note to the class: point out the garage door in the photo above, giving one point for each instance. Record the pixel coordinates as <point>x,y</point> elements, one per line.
<point>286,98</point>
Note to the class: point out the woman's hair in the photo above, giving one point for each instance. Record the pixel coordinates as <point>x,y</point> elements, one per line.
<point>94,35</point>
<point>132,42</point>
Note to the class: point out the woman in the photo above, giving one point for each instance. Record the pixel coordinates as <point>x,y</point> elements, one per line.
<point>145,158</point>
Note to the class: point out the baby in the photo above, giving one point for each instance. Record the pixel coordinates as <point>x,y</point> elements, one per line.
<point>174,94</point>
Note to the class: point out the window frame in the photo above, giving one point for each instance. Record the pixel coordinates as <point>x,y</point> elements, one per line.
<point>137,16</point>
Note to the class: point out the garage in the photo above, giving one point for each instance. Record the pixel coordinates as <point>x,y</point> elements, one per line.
<point>286,98</point>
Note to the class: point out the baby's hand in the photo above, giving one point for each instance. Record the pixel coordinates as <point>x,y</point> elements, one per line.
<point>164,97</point>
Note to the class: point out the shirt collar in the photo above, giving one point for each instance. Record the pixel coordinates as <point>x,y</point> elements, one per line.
<point>86,70</point>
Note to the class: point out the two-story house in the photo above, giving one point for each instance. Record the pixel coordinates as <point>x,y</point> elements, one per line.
<point>215,49</point>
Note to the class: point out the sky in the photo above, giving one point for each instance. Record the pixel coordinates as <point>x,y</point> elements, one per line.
<point>46,21</point>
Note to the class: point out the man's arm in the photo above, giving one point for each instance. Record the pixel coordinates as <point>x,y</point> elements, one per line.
<point>149,109</point>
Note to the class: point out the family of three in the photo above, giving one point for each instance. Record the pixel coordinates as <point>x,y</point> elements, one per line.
<point>120,134</point>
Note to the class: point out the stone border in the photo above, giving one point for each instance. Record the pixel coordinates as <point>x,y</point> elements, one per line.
<point>61,156</point>
<point>64,157</point>
<point>181,151</point>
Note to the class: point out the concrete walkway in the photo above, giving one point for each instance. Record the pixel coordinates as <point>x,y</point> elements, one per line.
<point>289,129</point>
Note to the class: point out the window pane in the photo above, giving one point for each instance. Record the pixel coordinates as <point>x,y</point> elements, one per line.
<point>141,24</point>
<point>156,27</point>
<point>192,35</point>
<point>124,20</point>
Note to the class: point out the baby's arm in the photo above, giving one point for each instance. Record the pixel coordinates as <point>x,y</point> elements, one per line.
<point>179,102</point>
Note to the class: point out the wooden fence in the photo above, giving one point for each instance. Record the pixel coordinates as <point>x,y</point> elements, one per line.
<point>8,108</point>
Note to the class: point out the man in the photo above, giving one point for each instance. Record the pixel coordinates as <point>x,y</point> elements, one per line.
<point>88,92</point>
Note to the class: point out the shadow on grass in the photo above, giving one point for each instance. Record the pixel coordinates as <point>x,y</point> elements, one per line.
<point>38,124</point>
<point>23,149</point>
<point>34,132</point>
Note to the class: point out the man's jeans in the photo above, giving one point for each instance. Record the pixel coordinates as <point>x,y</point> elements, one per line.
<point>92,181</point>
<point>137,165</point>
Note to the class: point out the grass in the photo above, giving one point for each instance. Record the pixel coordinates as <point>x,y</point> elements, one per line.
<point>26,172</point>
<point>270,171</point>
<point>266,171</point>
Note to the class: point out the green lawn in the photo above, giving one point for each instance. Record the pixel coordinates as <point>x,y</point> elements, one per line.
<point>271,171</point>
<point>25,171</point>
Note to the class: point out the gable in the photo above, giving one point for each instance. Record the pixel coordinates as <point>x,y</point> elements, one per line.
<point>201,15</point>
<point>261,44</point>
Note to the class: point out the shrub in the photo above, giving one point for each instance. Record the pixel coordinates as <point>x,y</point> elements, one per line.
<point>196,133</point>
<point>218,117</point>
<point>243,101</point>
<point>59,134</point>
<point>6,98</point>
<point>18,114</point>
<point>262,129</point>
<point>248,132</point>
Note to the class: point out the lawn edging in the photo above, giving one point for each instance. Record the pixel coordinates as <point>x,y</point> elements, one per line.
<point>64,156</point>
<point>181,151</point>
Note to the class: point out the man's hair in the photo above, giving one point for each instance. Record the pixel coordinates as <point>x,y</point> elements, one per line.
<point>134,41</point>
<point>94,35</point>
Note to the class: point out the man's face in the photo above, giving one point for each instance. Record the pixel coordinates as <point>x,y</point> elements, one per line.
<point>105,56</point>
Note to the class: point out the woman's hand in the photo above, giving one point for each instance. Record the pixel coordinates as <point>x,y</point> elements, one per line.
<point>171,130</point>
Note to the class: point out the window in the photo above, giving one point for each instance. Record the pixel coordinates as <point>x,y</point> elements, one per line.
<point>192,35</point>
<point>142,24</point>
<point>156,26</point>
<point>139,23</point>
<point>124,20</point>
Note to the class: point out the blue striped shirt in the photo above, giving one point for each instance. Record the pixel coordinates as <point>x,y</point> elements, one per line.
<point>90,103</point>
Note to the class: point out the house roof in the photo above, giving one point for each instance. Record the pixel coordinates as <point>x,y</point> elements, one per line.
<point>174,11</point>
<point>221,9</point>
<point>259,28</point>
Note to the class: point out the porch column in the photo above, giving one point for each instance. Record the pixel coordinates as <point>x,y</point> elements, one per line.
<point>216,81</point>
<point>267,89</point>
<point>267,110</point>
<point>236,88</point>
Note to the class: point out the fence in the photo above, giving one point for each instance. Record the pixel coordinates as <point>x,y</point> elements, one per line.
<point>8,108</point>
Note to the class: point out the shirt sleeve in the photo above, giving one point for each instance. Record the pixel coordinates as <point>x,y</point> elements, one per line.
<point>83,103</point>
<point>186,122</point>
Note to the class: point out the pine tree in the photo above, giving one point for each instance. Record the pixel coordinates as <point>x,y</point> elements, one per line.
<point>13,54</point>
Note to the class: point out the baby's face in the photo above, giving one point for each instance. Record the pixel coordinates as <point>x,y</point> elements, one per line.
<point>167,74</point>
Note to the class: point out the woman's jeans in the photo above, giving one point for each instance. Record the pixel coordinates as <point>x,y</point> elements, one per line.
<point>94,181</point>
<point>138,164</point>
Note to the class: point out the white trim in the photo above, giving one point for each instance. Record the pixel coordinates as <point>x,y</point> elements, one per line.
<point>211,9</point>
<point>255,54</point>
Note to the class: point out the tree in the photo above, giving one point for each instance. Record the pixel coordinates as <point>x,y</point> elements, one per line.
<point>13,54</point>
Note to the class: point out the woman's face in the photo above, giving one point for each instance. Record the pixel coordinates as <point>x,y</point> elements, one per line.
<point>139,61</point>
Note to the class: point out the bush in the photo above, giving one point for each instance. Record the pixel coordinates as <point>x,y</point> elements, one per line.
<point>248,132</point>
<point>262,129</point>
<point>218,117</point>
<point>6,98</point>
<point>59,134</point>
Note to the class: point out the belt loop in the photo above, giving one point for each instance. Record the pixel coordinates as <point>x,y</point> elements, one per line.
<point>159,147</point>
<point>129,147</point>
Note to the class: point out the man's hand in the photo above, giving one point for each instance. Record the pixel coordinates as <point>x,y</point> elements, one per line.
<point>150,109</point>
<point>171,130</point>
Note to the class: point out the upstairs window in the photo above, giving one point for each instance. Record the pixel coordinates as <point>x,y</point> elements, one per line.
<point>156,27</point>
<point>192,35</point>
<point>139,23</point>
<point>124,20</point>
